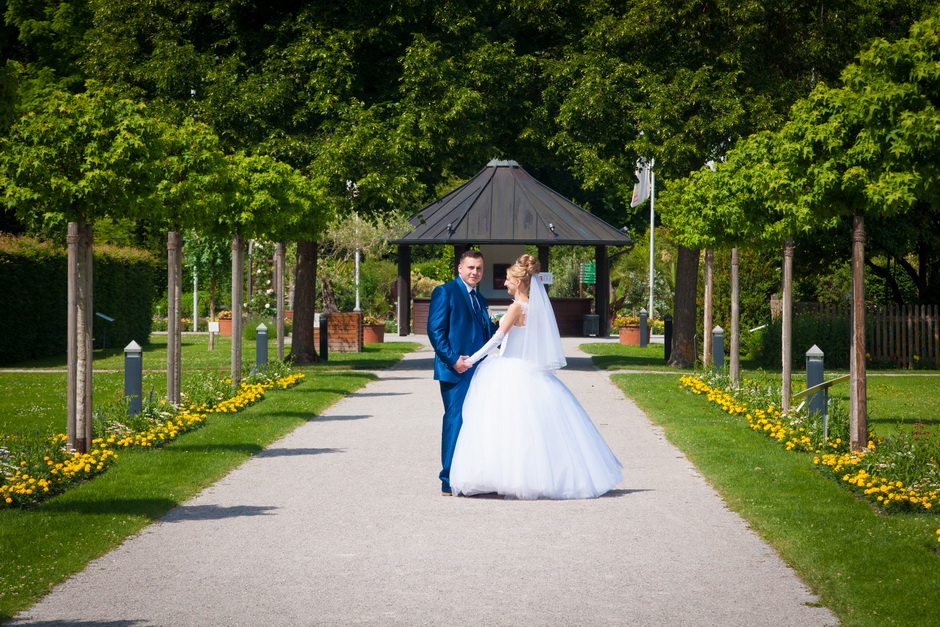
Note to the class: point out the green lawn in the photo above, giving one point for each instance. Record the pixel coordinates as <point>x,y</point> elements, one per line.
<point>870,569</point>
<point>36,400</point>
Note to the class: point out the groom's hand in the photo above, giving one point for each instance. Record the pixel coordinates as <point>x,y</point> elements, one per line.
<point>461,366</point>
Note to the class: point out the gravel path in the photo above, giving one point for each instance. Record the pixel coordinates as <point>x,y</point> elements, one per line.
<point>342,522</point>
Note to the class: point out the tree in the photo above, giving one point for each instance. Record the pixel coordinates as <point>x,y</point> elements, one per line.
<point>74,158</point>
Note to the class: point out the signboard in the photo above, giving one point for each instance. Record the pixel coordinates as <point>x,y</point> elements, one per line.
<point>588,273</point>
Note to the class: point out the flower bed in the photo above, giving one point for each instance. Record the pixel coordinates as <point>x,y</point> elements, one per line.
<point>35,469</point>
<point>895,475</point>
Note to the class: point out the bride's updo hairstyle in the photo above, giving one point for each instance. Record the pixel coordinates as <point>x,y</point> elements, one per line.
<point>523,269</point>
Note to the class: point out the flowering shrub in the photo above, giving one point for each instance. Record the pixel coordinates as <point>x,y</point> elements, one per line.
<point>896,474</point>
<point>34,469</point>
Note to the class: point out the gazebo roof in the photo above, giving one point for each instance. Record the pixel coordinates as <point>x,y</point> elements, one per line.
<point>504,204</point>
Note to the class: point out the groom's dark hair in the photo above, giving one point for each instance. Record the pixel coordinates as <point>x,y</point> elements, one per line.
<point>473,253</point>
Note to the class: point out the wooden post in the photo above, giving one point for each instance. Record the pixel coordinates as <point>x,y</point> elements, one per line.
<point>238,285</point>
<point>858,421</point>
<point>735,348</point>
<point>708,318</point>
<point>786,325</point>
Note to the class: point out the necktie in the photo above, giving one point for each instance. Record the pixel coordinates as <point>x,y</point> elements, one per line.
<point>476,303</point>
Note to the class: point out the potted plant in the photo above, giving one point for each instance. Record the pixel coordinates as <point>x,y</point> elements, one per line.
<point>629,329</point>
<point>373,330</point>
<point>224,319</point>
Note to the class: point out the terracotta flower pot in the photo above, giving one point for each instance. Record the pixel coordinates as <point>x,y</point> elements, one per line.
<point>630,334</point>
<point>373,333</point>
<point>225,327</point>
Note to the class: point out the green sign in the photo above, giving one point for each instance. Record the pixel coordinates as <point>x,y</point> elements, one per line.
<point>588,273</point>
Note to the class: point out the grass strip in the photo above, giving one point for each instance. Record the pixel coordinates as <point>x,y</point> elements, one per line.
<point>44,545</point>
<point>869,569</point>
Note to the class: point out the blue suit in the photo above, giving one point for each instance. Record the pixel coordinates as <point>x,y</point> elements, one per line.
<point>454,330</point>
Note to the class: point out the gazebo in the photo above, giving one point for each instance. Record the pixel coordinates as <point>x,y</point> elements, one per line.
<point>501,209</point>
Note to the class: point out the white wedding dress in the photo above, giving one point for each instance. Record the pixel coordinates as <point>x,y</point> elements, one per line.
<point>526,436</point>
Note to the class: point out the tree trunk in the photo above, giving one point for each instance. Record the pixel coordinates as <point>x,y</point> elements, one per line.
<point>172,317</point>
<point>86,431</point>
<point>238,283</point>
<point>735,349</point>
<point>211,311</point>
<point>708,319</point>
<point>786,326</point>
<point>279,295</point>
<point>303,350</point>
<point>858,420</point>
<point>74,249</point>
<point>683,339</point>
<point>326,291</point>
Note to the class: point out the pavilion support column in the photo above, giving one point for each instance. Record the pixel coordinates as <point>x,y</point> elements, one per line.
<point>602,290</point>
<point>543,257</point>
<point>404,290</point>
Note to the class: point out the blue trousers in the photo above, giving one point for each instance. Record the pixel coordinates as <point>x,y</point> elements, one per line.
<point>453,395</point>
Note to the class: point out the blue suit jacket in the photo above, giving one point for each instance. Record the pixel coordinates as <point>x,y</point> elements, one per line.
<point>454,329</point>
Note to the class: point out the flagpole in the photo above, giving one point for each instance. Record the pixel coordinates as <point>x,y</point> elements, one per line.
<point>652,230</point>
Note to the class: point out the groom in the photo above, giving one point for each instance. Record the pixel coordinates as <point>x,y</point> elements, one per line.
<point>458,325</point>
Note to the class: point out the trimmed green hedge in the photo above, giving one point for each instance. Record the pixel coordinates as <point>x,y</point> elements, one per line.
<point>34,280</point>
<point>832,335</point>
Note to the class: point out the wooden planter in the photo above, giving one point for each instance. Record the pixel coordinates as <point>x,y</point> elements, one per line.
<point>344,331</point>
<point>225,327</point>
<point>373,333</point>
<point>630,334</point>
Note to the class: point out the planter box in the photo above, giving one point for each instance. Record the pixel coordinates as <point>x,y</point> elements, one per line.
<point>373,333</point>
<point>344,332</point>
<point>630,334</point>
<point>225,327</point>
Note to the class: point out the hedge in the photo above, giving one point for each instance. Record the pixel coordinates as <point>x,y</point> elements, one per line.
<point>34,280</point>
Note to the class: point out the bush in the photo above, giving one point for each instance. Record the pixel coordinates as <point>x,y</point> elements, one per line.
<point>830,334</point>
<point>35,282</point>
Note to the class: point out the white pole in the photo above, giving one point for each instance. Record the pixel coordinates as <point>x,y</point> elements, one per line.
<point>357,281</point>
<point>652,230</point>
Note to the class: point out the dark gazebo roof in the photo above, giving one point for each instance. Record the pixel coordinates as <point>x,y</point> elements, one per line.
<point>504,204</point>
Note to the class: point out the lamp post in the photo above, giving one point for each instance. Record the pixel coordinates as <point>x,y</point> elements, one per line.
<point>353,191</point>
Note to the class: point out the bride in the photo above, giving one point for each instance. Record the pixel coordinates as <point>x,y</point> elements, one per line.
<point>524,434</point>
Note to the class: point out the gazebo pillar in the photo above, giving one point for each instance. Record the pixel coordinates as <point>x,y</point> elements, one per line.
<point>602,290</point>
<point>543,257</point>
<point>404,290</point>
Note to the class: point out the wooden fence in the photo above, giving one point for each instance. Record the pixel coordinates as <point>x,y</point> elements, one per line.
<point>907,334</point>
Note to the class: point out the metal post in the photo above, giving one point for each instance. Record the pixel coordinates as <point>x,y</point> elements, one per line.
<point>644,337</point>
<point>718,347</point>
<point>324,340</point>
<point>261,346</point>
<point>814,376</point>
<point>133,376</point>
<point>667,336</point>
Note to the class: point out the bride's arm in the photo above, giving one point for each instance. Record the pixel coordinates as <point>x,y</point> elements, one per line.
<point>505,323</point>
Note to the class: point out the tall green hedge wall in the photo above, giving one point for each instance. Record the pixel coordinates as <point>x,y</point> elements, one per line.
<point>34,316</point>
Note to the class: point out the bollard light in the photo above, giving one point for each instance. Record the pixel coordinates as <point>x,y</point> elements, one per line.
<point>133,376</point>
<point>324,340</point>
<point>644,328</point>
<point>815,375</point>
<point>718,347</point>
<point>261,346</point>
<point>667,336</point>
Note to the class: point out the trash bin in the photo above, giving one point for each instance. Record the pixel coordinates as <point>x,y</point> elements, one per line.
<point>592,324</point>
